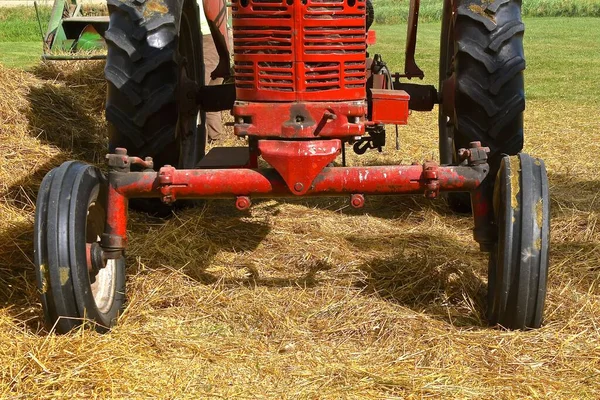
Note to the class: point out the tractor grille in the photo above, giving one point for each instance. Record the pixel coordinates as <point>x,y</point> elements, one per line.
<point>262,40</point>
<point>276,76</point>
<point>322,76</point>
<point>354,74</point>
<point>334,40</point>
<point>285,50</point>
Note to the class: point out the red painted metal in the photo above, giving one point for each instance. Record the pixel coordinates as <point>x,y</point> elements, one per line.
<point>299,162</point>
<point>165,180</point>
<point>357,200</point>
<point>243,203</point>
<point>308,120</point>
<point>331,181</point>
<point>371,37</point>
<point>390,106</point>
<point>309,50</point>
<point>430,174</point>
<point>115,230</point>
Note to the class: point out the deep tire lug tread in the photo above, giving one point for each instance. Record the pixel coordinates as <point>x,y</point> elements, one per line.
<point>464,10</point>
<point>119,39</point>
<point>493,7</point>
<point>504,33</point>
<point>131,10</point>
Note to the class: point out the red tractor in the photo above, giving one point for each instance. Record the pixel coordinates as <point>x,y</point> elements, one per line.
<point>304,88</point>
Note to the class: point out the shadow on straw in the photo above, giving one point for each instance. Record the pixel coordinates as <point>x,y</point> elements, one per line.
<point>430,274</point>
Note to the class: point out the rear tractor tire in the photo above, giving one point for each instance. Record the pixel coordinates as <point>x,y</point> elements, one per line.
<point>69,221</point>
<point>154,56</point>
<point>481,81</point>
<point>518,264</point>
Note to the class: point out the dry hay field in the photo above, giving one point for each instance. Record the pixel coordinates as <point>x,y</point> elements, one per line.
<point>301,299</point>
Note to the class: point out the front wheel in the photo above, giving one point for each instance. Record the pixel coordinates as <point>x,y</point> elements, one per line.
<point>518,264</point>
<point>69,221</point>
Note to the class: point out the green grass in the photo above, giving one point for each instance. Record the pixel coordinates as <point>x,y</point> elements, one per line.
<point>563,56</point>
<point>20,54</point>
<point>20,36</point>
<point>20,24</point>
<point>562,53</point>
<point>395,11</point>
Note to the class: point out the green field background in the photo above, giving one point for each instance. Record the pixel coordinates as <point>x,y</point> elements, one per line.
<point>396,11</point>
<point>19,24</point>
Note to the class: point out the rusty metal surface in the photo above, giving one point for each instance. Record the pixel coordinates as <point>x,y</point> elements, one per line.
<point>114,238</point>
<point>300,168</point>
<point>475,154</point>
<point>430,174</point>
<point>411,69</point>
<point>309,120</point>
<point>266,182</point>
<point>297,162</point>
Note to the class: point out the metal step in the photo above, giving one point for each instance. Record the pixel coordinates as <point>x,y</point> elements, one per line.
<point>225,157</point>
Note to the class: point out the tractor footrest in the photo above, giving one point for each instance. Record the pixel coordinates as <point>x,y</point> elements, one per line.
<point>225,157</point>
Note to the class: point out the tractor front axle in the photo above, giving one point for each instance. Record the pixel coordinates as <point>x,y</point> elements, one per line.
<point>241,183</point>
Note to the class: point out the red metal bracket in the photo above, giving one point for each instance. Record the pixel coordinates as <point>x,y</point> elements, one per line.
<point>167,180</point>
<point>411,69</point>
<point>299,162</point>
<point>430,175</point>
<point>300,120</point>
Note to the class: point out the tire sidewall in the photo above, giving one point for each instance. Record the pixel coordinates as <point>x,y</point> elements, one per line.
<point>87,189</point>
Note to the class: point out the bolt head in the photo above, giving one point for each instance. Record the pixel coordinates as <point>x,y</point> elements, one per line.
<point>475,144</point>
<point>357,200</point>
<point>298,186</point>
<point>242,203</point>
<point>121,151</point>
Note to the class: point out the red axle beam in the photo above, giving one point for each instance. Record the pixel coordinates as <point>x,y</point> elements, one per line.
<point>171,184</point>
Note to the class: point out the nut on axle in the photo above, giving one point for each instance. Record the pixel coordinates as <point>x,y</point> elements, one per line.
<point>476,154</point>
<point>357,200</point>
<point>243,203</point>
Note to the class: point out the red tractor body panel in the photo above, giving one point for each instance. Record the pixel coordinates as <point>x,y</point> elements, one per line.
<point>302,50</point>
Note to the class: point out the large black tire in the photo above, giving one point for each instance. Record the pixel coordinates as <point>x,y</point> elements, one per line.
<point>69,217</point>
<point>518,264</point>
<point>482,49</point>
<point>152,49</point>
<point>149,48</point>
